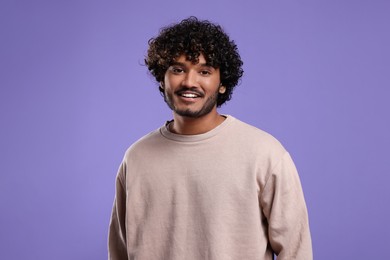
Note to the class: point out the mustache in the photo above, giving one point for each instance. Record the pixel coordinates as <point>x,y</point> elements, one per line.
<point>189,90</point>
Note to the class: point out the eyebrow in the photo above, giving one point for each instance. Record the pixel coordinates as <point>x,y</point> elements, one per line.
<point>177,63</point>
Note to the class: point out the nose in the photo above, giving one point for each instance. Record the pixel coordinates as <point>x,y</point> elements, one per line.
<point>191,79</point>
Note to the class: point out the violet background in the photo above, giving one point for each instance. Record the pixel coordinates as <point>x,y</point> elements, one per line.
<point>74,95</point>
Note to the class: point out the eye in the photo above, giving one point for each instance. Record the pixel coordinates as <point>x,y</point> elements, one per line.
<point>177,70</point>
<point>205,72</point>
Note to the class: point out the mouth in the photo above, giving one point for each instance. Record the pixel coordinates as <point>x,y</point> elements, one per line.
<point>189,95</point>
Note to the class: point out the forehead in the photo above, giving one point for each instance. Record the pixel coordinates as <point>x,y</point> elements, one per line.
<point>183,59</point>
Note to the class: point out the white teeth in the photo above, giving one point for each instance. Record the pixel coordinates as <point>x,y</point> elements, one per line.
<point>189,95</point>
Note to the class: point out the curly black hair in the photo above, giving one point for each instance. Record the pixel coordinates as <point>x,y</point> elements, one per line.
<point>193,37</point>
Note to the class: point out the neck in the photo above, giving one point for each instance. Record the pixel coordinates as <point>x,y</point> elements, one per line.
<point>194,126</point>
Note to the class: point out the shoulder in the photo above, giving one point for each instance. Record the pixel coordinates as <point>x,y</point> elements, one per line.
<point>255,137</point>
<point>144,144</point>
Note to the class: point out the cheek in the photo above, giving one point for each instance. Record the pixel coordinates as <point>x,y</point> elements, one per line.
<point>212,81</point>
<point>171,82</point>
<point>212,85</point>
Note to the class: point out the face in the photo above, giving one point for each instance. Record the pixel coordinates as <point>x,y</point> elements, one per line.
<point>191,90</point>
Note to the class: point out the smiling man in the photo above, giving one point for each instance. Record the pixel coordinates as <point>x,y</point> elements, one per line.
<point>205,185</point>
<point>191,91</point>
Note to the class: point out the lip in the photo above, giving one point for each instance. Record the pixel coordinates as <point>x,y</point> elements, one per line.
<point>190,92</point>
<point>188,99</point>
<point>189,96</point>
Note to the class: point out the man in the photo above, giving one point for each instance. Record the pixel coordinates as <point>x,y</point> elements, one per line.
<point>205,185</point>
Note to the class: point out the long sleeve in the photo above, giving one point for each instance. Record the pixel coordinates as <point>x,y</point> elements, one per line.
<point>284,206</point>
<point>117,230</point>
<point>199,197</point>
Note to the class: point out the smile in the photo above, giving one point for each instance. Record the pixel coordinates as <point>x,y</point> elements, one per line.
<point>187,95</point>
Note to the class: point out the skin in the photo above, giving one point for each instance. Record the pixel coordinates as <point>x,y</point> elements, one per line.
<point>191,91</point>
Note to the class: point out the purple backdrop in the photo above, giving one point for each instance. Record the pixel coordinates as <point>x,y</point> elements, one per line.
<point>74,95</point>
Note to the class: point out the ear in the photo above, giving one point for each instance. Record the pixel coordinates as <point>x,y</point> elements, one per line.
<point>222,89</point>
<point>161,85</point>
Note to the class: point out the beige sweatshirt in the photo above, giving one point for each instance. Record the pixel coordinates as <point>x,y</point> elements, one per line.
<point>231,193</point>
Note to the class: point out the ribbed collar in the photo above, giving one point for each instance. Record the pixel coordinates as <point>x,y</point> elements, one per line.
<point>195,138</point>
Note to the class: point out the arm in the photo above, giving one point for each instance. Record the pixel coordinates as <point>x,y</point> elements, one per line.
<point>117,249</point>
<point>284,206</point>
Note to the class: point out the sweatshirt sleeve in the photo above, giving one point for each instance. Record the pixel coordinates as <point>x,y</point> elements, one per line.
<point>117,249</point>
<point>284,206</point>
